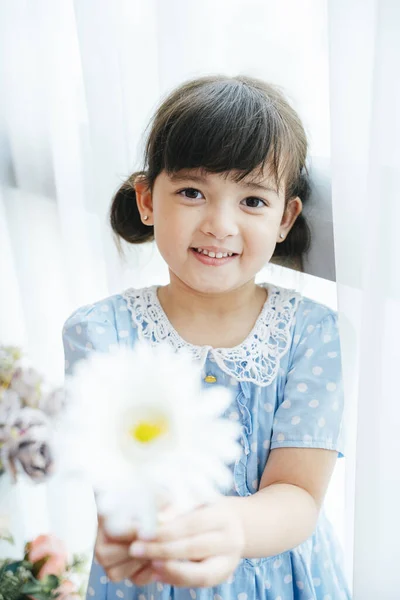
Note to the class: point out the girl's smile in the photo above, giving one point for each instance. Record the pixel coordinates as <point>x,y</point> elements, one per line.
<point>213,256</point>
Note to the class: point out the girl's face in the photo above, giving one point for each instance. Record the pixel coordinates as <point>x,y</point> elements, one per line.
<point>215,234</point>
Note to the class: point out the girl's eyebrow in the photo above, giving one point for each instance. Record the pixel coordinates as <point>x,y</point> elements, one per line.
<point>182,176</point>
<point>258,186</point>
<point>185,176</point>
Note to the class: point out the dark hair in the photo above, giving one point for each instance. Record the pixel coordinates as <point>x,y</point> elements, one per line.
<point>221,124</point>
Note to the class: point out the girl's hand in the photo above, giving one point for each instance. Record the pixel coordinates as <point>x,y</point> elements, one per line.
<point>113,555</point>
<point>199,549</point>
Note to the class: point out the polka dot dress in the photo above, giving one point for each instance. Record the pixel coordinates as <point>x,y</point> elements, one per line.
<point>299,404</point>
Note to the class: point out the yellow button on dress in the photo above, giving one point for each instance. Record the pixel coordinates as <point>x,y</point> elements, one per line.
<point>210,379</point>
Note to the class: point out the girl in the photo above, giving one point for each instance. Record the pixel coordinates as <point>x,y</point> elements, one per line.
<point>221,193</point>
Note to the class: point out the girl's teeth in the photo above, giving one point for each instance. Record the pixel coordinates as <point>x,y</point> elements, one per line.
<point>214,254</point>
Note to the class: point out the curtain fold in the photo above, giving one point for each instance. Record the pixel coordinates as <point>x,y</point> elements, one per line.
<point>365,125</point>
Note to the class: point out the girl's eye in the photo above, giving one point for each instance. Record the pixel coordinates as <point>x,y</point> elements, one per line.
<point>191,193</point>
<point>254,202</point>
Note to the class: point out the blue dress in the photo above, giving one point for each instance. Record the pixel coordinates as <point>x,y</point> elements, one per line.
<point>286,377</point>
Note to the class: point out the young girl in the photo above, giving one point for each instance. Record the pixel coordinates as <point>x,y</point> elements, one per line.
<point>221,193</point>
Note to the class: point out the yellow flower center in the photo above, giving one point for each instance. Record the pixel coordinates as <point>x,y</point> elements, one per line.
<point>147,431</point>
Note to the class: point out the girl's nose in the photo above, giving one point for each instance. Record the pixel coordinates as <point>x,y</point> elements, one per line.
<point>220,223</point>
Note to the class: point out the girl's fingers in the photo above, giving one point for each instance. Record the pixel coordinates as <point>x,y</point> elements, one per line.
<point>126,538</point>
<point>207,573</point>
<point>108,553</point>
<point>112,554</point>
<point>144,576</point>
<point>191,548</point>
<point>125,570</point>
<point>196,522</point>
<point>115,558</point>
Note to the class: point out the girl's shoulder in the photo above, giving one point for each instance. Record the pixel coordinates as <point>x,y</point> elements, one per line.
<point>312,332</point>
<point>112,310</point>
<point>297,324</point>
<point>289,304</point>
<point>309,310</point>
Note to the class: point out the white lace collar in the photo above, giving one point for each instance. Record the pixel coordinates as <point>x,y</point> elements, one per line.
<point>255,360</point>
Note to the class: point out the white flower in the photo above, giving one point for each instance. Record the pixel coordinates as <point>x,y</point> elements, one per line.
<point>143,428</point>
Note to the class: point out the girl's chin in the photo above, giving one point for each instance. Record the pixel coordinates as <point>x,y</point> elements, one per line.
<point>207,286</point>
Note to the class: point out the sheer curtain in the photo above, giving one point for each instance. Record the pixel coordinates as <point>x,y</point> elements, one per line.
<point>79,82</point>
<point>365,108</point>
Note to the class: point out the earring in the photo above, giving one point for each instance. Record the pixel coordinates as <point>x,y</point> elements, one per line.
<point>145,218</point>
<point>282,236</point>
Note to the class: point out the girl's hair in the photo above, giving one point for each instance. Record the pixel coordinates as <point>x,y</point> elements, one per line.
<point>230,125</point>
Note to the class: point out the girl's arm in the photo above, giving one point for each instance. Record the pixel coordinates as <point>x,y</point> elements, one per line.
<point>305,442</point>
<point>284,512</point>
<point>211,540</point>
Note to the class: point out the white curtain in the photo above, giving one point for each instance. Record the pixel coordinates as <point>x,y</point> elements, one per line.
<point>365,109</point>
<point>79,82</point>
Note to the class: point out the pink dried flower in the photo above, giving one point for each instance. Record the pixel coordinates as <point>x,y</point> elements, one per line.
<point>68,591</point>
<point>53,550</point>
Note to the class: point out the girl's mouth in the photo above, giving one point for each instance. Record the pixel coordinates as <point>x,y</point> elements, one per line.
<point>211,258</point>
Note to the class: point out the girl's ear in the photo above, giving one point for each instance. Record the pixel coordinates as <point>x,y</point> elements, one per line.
<point>292,211</point>
<point>144,200</point>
